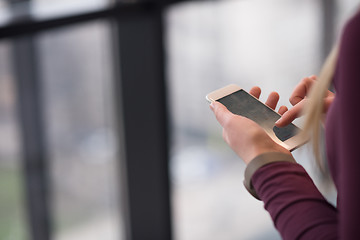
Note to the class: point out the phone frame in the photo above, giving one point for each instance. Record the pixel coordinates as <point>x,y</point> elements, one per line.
<point>290,144</point>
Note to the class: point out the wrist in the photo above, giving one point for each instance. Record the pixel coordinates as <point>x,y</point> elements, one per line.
<point>259,150</point>
<point>260,161</point>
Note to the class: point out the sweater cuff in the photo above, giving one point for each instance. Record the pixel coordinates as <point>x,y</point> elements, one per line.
<point>260,161</point>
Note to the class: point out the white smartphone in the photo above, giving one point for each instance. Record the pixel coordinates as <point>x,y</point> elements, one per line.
<point>239,102</point>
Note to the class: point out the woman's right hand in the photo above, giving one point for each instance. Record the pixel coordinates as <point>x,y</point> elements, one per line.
<point>298,100</point>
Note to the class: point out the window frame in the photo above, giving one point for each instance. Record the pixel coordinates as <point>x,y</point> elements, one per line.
<point>144,169</point>
<point>144,176</point>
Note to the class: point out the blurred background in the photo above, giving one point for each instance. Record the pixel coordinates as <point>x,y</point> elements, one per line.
<point>105,132</point>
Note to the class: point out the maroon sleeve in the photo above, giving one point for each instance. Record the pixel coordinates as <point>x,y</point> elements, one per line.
<point>297,208</point>
<point>348,144</point>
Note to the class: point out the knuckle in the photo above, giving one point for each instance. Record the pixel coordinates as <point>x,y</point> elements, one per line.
<point>305,80</point>
<point>294,100</point>
<point>308,81</point>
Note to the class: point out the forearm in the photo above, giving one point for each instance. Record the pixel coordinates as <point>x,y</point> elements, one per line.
<point>296,206</point>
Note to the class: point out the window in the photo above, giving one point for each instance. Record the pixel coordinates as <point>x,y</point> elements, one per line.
<point>77,83</point>
<point>77,78</point>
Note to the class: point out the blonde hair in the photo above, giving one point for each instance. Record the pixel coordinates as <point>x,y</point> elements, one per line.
<point>315,109</point>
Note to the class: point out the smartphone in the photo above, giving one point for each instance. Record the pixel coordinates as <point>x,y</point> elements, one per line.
<point>239,102</point>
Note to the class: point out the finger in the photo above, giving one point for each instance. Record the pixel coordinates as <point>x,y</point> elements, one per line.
<point>290,115</point>
<point>330,94</point>
<point>301,90</point>
<point>272,100</point>
<point>313,77</point>
<point>222,114</point>
<point>282,110</point>
<point>255,91</point>
<point>327,102</point>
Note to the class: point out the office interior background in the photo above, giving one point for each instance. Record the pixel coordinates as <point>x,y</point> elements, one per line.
<point>104,128</point>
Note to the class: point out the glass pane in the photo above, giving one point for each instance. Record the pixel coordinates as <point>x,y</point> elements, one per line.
<point>76,69</point>
<point>12,216</point>
<point>272,44</point>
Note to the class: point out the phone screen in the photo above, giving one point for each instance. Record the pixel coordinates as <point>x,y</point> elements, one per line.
<point>242,103</point>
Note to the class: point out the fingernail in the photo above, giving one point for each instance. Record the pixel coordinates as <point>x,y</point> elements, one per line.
<point>278,121</point>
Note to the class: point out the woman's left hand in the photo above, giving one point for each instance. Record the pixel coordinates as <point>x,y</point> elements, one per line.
<point>243,135</point>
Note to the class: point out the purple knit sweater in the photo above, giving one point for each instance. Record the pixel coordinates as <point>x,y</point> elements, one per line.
<point>296,206</point>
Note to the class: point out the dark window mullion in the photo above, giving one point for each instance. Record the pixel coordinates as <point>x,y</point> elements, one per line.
<point>142,95</point>
<point>36,181</point>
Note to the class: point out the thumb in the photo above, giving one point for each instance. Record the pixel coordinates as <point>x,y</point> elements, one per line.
<point>222,114</point>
